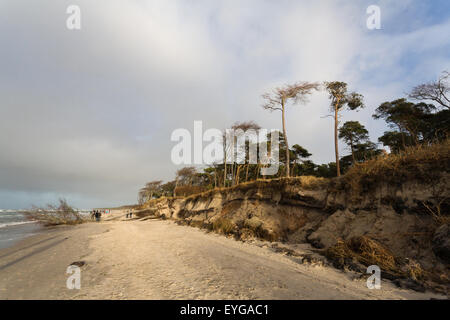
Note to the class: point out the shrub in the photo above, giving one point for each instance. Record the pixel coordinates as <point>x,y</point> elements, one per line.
<point>369,252</point>
<point>186,191</point>
<point>305,182</point>
<point>423,163</point>
<point>223,225</point>
<point>197,224</point>
<point>54,215</point>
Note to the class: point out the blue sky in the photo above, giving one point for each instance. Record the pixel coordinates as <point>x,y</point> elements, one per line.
<point>88,114</point>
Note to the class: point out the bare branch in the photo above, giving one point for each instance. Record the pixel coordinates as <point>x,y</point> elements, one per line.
<point>298,92</point>
<point>437,91</point>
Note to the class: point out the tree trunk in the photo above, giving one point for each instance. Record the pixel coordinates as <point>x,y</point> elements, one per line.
<point>336,146</point>
<point>176,185</point>
<point>232,174</point>
<point>225,173</point>
<point>403,136</point>
<point>285,137</point>
<point>353,152</point>
<point>238,173</point>
<point>257,171</point>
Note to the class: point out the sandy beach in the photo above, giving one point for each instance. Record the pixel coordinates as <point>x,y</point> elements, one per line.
<point>157,259</point>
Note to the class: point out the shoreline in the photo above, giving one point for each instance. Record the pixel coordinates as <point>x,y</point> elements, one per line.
<point>35,267</point>
<point>14,233</point>
<point>152,260</point>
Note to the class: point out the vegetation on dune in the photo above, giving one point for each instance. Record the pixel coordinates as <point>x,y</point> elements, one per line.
<point>436,91</point>
<point>306,182</point>
<point>340,99</point>
<point>421,163</point>
<point>417,156</point>
<point>223,225</point>
<point>366,251</point>
<point>185,191</point>
<point>53,215</point>
<point>418,142</point>
<point>237,170</point>
<point>277,101</point>
<point>355,135</point>
<point>358,253</point>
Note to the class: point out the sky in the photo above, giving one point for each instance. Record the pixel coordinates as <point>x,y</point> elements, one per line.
<point>87,114</point>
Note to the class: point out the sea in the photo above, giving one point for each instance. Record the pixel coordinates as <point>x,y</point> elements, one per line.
<point>14,227</point>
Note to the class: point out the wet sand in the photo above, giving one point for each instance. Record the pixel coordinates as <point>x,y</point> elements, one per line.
<point>160,260</point>
<point>13,234</point>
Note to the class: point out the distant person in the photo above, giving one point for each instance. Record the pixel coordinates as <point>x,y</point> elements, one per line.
<point>127,215</point>
<point>131,214</point>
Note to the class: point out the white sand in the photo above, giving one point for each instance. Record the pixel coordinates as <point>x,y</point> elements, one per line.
<point>160,260</point>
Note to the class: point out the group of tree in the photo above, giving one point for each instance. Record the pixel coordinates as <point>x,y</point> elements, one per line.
<point>410,123</point>
<point>417,123</point>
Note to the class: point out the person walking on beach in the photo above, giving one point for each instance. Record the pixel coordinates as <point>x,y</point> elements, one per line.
<point>131,214</point>
<point>98,216</point>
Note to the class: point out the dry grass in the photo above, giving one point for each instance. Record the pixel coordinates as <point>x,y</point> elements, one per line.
<point>158,200</point>
<point>154,202</point>
<point>197,224</point>
<point>369,252</point>
<point>125,207</point>
<point>365,251</point>
<point>305,182</point>
<point>145,213</point>
<point>223,225</point>
<point>312,183</point>
<point>421,163</point>
<point>185,191</point>
<point>415,271</point>
<point>435,210</point>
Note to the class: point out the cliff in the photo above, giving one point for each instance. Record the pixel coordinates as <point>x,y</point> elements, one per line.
<point>393,212</point>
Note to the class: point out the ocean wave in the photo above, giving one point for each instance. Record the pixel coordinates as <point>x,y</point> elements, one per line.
<point>4,225</point>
